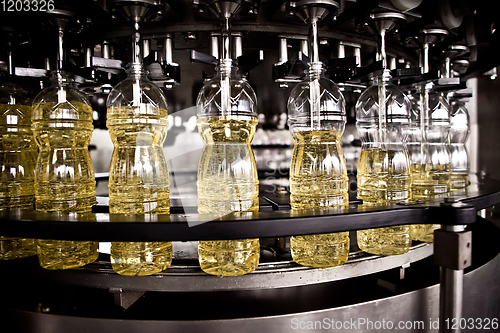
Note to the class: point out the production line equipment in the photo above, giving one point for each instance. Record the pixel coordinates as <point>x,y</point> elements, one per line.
<point>328,180</point>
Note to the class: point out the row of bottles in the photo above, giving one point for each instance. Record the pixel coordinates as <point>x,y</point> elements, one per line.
<point>62,130</point>
<point>318,175</point>
<point>405,154</point>
<point>62,178</point>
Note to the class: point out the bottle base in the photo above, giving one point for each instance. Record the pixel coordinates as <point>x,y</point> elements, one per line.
<point>21,202</point>
<point>140,258</point>
<point>9,248</point>
<point>459,181</point>
<point>385,241</point>
<point>320,251</point>
<point>137,207</point>
<point>229,257</point>
<point>57,254</point>
<point>426,192</point>
<point>75,205</point>
<point>302,202</point>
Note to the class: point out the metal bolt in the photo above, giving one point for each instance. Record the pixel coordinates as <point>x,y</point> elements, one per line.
<point>402,270</point>
<point>281,191</point>
<point>190,36</point>
<point>450,200</point>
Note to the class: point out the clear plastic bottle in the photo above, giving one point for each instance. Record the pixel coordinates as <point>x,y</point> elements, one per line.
<point>414,141</point>
<point>459,133</point>
<point>138,177</point>
<point>17,165</point>
<point>227,174</point>
<point>430,167</point>
<point>318,173</point>
<point>383,117</point>
<point>64,176</point>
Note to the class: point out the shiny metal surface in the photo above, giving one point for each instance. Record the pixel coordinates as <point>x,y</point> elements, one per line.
<point>418,309</point>
<point>192,226</point>
<point>450,299</point>
<point>276,220</point>
<point>270,275</point>
<point>451,293</point>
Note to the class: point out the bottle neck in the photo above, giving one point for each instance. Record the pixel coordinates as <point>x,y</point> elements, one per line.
<point>315,71</point>
<point>383,78</point>
<point>62,83</point>
<point>136,71</point>
<point>226,68</point>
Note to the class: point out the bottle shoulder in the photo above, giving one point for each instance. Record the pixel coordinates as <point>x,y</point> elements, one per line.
<point>397,104</point>
<point>235,97</point>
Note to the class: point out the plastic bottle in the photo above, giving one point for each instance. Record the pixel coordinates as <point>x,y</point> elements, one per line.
<point>318,173</point>
<point>383,116</point>
<point>430,167</point>
<point>17,165</point>
<point>227,174</point>
<point>459,133</point>
<point>138,177</point>
<point>64,175</point>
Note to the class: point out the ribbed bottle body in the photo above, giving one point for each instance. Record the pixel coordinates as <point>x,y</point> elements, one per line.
<point>318,180</point>
<point>430,154</point>
<point>17,165</point>
<point>318,172</point>
<point>383,176</point>
<point>459,159</point>
<point>64,175</point>
<point>228,183</point>
<point>138,176</point>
